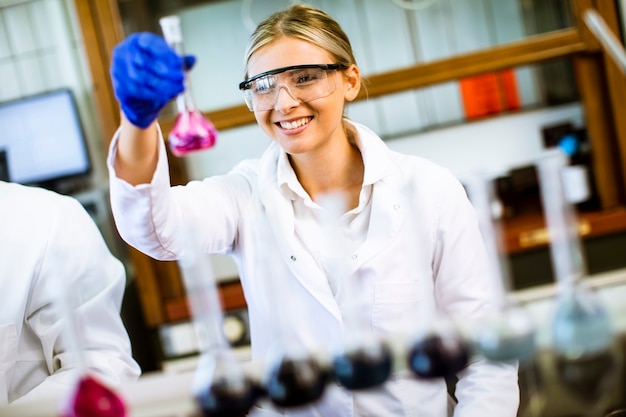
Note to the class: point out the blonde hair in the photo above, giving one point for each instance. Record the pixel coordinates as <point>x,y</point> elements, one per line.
<point>305,23</point>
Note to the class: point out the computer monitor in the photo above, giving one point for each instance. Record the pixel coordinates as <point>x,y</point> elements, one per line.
<point>43,141</point>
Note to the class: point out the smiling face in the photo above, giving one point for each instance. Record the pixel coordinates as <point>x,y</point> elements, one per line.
<point>301,128</point>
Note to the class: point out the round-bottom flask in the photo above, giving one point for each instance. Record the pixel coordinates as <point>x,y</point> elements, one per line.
<point>441,352</point>
<point>506,336</point>
<point>363,364</point>
<point>582,341</point>
<point>222,388</point>
<point>295,381</point>
<point>93,399</point>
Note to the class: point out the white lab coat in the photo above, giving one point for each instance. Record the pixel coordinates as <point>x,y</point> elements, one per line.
<point>423,247</point>
<point>47,239</point>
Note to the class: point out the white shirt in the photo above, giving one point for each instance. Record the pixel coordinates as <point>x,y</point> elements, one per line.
<point>422,249</point>
<point>48,240</point>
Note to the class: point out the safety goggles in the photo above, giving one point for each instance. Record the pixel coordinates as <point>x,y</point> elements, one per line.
<point>304,83</point>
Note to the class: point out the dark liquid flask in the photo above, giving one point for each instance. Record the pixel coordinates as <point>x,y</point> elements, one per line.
<point>365,360</point>
<point>364,365</point>
<point>192,131</point>
<point>93,399</point>
<point>296,381</point>
<point>438,355</point>
<point>226,393</point>
<point>221,385</point>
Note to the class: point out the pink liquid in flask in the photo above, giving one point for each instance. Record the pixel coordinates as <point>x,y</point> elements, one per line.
<point>191,132</point>
<point>93,399</point>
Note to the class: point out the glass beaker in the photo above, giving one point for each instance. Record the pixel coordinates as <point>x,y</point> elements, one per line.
<point>191,131</point>
<point>365,360</point>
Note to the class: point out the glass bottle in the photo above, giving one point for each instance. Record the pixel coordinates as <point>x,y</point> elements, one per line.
<point>582,337</point>
<point>508,334</point>
<point>192,131</point>
<point>436,347</point>
<point>221,385</point>
<point>90,397</point>
<point>365,360</point>
<point>294,376</point>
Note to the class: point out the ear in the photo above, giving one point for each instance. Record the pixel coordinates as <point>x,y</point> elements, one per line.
<point>352,82</point>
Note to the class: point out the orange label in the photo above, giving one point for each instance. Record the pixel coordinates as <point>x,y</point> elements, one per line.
<point>490,93</point>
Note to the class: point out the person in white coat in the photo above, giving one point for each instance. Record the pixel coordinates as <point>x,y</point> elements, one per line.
<point>49,244</point>
<point>415,246</point>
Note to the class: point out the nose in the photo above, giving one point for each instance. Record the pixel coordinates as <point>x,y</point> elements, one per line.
<point>285,100</point>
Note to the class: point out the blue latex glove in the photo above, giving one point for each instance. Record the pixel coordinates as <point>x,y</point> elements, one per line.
<point>146,74</point>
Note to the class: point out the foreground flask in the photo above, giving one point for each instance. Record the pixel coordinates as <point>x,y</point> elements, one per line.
<point>221,385</point>
<point>508,333</point>
<point>91,398</point>
<point>294,375</point>
<point>441,352</point>
<point>364,360</point>
<point>582,336</point>
<point>192,131</point>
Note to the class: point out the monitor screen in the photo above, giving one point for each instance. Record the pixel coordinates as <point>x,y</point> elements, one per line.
<point>42,139</point>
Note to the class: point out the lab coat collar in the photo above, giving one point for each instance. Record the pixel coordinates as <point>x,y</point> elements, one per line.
<point>388,213</point>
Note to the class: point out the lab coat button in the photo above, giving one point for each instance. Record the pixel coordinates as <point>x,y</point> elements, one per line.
<point>354,256</point>
<point>293,258</point>
<point>396,206</point>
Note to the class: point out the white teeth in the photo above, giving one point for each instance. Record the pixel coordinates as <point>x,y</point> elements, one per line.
<point>295,124</point>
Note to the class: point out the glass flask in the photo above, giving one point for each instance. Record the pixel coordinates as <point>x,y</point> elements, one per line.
<point>191,131</point>
<point>294,375</point>
<point>221,385</point>
<point>439,352</point>
<point>435,346</point>
<point>90,397</point>
<point>508,333</point>
<point>582,336</point>
<point>365,360</point>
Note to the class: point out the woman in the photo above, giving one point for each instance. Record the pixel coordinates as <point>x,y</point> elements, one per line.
<point>414,242</point>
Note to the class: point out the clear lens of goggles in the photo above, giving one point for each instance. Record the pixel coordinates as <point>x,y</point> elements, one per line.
<point>303,82</point>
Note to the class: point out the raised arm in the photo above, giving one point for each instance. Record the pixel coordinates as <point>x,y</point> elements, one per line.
<point>146,74</point>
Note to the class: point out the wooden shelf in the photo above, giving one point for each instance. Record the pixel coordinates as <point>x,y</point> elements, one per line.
<point>231,296</point>
<point>529,231</point>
